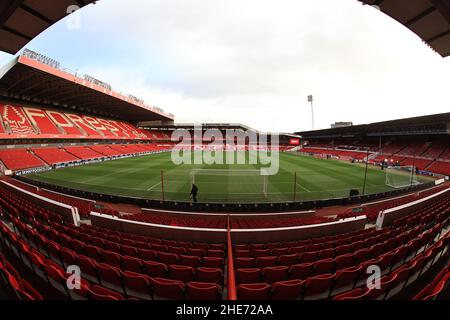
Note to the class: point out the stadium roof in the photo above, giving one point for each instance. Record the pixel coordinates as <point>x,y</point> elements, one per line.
<point>432,124</point>
<point>27,79</point>
<point>429,19</point>
<point>22,20</point>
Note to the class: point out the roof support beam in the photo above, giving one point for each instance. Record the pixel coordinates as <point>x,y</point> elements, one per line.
<point>36,14</point>
<point>444,8</point>
<point>17,33</point>
<point>7,9</point>
<point>420,16</point>
<point>437,37</point>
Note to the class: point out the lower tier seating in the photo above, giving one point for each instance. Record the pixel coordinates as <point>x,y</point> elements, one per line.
<point>117,265</point>
<point>55,155</point>
<point>17,159</point>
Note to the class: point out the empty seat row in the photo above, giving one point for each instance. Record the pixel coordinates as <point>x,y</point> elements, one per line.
<point>385,259</point>
<point>113,284</point>
<point>167,265</point>
<point>347,284</point>
<point>437,287</point>
<point>396,282</point>
<point>314,243</point>
<point>10,279</point>
<point>292,255</point>
<point>130,247</point>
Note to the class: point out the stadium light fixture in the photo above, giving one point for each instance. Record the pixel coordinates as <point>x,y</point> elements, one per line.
<point>311,99</point>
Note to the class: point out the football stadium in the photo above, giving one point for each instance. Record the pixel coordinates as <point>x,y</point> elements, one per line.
<point>106,197</point>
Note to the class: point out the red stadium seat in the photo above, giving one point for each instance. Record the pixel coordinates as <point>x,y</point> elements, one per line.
<point>275,274</point>
<point>244,262</point>
<point>324,266</point>
<point>203,291</point>
<point>288,290</point>
<point>137,285</point>
<point>155,269</point>
<point>346,279</point>
<point>112,258</point>
<point>191,261</point>
<point>255,291</point>
<point>182,273</point>
<point>308,256</point>
<point>110,276</point>
<point>356,294</point>
<point>212,262</point>
<point>29,293</point>
<point>248,275</point>
<point>132,264</point>
<point>167,289</point>
<point>145,254</point>
<point>301,271</point>
<point>344,261</point>
<point>101,293</point>
<point>168,258</point>
<point>318,287</point>
<point>93,252</point>
<point>55,276</point>
<point>288,259</point>
<point>210,275</point>
<point>262,262</point>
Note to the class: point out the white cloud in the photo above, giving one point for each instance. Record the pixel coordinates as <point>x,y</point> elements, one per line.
<point>255,61</point>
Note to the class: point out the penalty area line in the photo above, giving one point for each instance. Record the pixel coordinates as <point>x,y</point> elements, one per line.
<point>307,190</point>
<point>154,186</point>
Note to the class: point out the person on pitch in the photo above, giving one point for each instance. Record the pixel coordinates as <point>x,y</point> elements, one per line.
<point>194,192</point>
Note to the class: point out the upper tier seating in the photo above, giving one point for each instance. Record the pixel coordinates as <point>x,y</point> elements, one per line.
<point>54,155</point>
<point>15,159</point>
<point>445,155</point>
<point>393,148</point>
<point>434,151</point>
<point>15,120</point>
<point>414,150</point>
<point>24,122</point>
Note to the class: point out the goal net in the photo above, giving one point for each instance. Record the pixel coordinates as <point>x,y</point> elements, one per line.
<point>401,177</point>
<point>236,183</point>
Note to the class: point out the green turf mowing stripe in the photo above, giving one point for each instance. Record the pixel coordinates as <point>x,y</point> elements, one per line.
<point>140,177</point>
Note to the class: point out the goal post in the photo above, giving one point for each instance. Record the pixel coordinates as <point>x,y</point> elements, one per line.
<point>401,177</point>
<point>231,181</point>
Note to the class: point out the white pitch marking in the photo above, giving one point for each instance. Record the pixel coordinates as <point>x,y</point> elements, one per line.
<point>307,190</point>
<point>149,189</point>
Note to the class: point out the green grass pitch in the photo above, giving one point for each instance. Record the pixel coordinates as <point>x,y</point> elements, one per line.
<point>141,177</point>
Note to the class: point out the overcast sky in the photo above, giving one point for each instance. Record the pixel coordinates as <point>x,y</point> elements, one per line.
<point>255,61</point>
